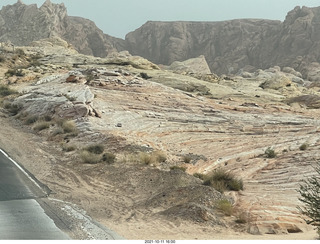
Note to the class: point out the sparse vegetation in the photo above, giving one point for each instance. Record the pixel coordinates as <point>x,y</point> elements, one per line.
<point>304,147</point>
<point>6,91</point>
<point>241,218</point>
<point>222,181</point>
<point>108,158</point>
<point>187,159</point>
<point>69,126</point>
<point>178,168</point>
<point>31,119</point>
<point>95,148</point>
<point>310,197</point>
<point>270,153</point>
<point>152,158</point>
<point>89,158</point>
<point>14,72</point>
<point>12,108</point>
<point>225,206</point>
<point>41,125</point>
<point>68,148</point>
<point>200,176</point>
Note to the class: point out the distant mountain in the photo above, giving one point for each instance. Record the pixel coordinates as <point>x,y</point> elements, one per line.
<point>22,24</point>
<point>229,47</point>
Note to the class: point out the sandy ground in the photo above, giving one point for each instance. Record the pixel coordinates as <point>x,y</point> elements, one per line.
<point>103,201</point>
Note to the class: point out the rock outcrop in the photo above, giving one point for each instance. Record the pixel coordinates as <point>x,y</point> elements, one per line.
<point>22,24</point>
<point>232,46</point>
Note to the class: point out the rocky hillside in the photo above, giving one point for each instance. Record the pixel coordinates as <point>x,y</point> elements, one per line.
<point>22,24</point>
<point>230,46</point>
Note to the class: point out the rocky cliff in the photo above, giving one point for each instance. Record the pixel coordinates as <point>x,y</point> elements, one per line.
<point>22,24</point>
<point>230,46</point>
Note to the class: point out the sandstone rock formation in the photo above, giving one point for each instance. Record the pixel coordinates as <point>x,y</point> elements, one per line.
<point>50,20</point>
<point>231,46</point>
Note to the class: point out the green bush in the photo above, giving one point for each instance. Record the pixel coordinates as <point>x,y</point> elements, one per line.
<point>222,181</point>
<point>89,158</point>
<point>14,72</point>
<point>95,148</point>
<point>310,197</point>
<point>303,147</point>
<point>270,153</point>
<point>108,158</point>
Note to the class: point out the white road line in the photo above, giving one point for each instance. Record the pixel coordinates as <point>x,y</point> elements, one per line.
<point>22,170</point>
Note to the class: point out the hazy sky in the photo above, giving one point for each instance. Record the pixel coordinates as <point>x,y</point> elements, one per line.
<point>119,17</point>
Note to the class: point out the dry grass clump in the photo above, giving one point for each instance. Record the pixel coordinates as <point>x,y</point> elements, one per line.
<point>152,158</point>
<point>68,148</point>
<point>41,125</point>
<point>69,126</point>
<point>222,181</point>
<point>178,168</point>
<point>95,148</point>
<point>31,119</point>
<point>89,158</point>
<point>108,158</point>
<point>225,206</point>
<point>12,108</point>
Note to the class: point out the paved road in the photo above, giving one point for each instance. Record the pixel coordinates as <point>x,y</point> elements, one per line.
<point>21,216</point>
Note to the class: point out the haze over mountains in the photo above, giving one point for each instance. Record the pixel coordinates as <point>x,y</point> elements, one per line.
<point>228,46</point>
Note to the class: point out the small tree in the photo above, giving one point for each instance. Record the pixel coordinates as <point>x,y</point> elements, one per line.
<point>310,196</point>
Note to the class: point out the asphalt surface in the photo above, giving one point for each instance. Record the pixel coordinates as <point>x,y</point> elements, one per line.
<point>21,216</point>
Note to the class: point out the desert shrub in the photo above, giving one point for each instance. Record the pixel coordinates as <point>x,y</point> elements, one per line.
<point>146,158</point>
<point>222,181</point>
<point>12,108</point>
<point>69,126</point>
<point>2,58</point>
<point>241,218</point>
<point>270,153</point>
<point>303,147</point>
<point>178,168</point>
<point>225,206</point>
<point>20,52</point>
<point>108,158</point>
<point>68,148</point>
<point>6,91</point>
<point>145,76</point>
<point>160,157</point>
<point>95,148</point>
<point>47,118</point>
<point>14,72</point>
<point>31,119</point>
<point>41,125</point>
<point>58,131</point>
<point>186,159</point>
<point>310,197</point>
<point>199,175</point>
<point>89,158</point>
